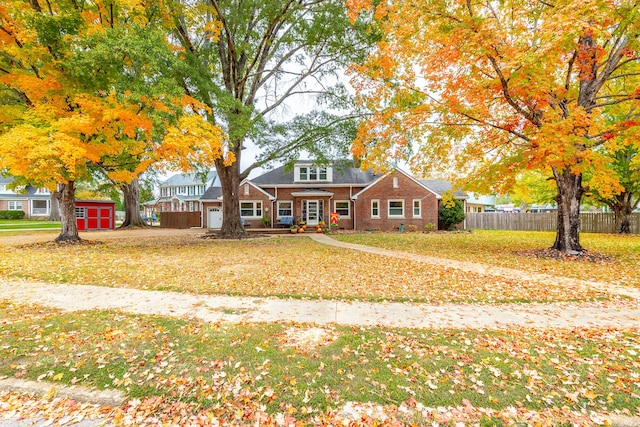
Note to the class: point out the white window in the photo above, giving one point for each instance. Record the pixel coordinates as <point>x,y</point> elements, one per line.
<point>375,209</point>
<point>313,173</point>
<point>396,208</point>
<point>342,208</point>
<point>395,182</point>
<point>417,208</point>
<point>285,208</point>
<point>246,189</point>
<point>42,191</point>
<point>251,209</point>
<point>190,206</point>
<point>15,205</point>
<point>192,190</point>
<point>40,207</point>
<point>79,212</point>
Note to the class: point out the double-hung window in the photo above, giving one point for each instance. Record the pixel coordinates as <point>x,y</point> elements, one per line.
<point>285,208</point>
<point>417,208</point>
<point>375,209</point>
<point>396,209</point>
<point>251,209</point>
<point>312,173</point>
<point>15,205</point>
<point>342,208</point>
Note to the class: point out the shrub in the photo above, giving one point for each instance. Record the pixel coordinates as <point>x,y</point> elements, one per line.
<point>11,214</point>
<point>412,228</point>
<point>429,227</point>
<point>451,213</point>
<point>265,222</point>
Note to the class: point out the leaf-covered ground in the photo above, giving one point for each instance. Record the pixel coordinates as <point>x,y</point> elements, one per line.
<point>280,266</point>
<point>509,249</point>
<point>174,371</point>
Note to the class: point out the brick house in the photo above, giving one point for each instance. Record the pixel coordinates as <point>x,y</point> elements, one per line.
<point>310,193</point>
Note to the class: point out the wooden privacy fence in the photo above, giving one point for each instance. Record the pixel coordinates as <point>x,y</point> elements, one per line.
<point>180,219</point>
<point>589,222</point>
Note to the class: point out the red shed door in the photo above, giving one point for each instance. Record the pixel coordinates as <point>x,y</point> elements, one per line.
<point>105,218</point>
<point>92,218</point>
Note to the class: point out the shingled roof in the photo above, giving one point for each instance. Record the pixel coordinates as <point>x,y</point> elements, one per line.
<point>440,186</point>
<point>341,175</point>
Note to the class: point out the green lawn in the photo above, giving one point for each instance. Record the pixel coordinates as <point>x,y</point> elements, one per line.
<point>503,248</point>
<point>238,371</point>
<point>281,373</point>
<point>20,224</point>
<point>281,266</point>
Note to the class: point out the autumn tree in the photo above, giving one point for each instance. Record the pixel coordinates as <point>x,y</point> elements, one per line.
<point>625,165</point>
<point>40,141</point>
<point>248,60</point>
<point>532,187</point>
<point>84,89</point>
<point>490,89</point>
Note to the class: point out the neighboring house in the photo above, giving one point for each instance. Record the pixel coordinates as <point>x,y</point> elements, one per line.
<point>535,207</point>
<point>181,193</point>
<point>35,202</point>
<point>310,193</point>
<point>480,203</point>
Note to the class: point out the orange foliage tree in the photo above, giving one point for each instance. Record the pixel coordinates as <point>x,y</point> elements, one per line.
<point>492,89</point>
<point>80,90</point>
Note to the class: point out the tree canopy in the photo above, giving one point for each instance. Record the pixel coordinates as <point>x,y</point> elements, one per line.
<point>248,60</point>
<point>84,86</point>
<point>490,89</point>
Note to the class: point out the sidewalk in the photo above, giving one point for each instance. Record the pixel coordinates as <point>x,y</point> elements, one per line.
<point>247,309</point>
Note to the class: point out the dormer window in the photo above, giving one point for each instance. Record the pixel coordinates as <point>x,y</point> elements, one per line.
<point>313,173</point>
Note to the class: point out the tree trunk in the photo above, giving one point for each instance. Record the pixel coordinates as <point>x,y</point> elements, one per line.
<point>232,227</point>
<point>622,208</point>
<point>570,192</point>
<point>66,195</point>
<point>54,214</point>
<point>131,194</point>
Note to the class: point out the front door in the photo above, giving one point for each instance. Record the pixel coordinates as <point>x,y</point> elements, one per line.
<point>313,212</point>
<point>214,217</point>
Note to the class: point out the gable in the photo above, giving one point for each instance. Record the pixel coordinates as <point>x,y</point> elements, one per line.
<point>388,181</point>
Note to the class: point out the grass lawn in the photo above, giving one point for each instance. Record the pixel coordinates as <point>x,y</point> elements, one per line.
<point>21,224</point>
<point>280,266</point>
<point>497,247</point>
<point>240,372</point>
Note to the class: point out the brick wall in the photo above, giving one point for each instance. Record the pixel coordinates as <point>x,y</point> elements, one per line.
<point>407,191</point>
<point>339,194</point>
<point>249,193</point>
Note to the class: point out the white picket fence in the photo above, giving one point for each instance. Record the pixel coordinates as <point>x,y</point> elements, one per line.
<point>590,222</point>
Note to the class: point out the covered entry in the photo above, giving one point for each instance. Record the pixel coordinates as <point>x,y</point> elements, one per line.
<point>94,215</point>
<point>314,205</point>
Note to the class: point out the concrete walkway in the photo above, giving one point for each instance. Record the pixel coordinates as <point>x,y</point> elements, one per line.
<point>244,309</point>
<point>482,268</point>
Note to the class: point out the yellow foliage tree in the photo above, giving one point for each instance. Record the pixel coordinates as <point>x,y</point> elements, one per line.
<point>82,91</point>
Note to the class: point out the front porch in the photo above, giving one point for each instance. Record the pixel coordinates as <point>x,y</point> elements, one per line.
<point>269,231</point>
